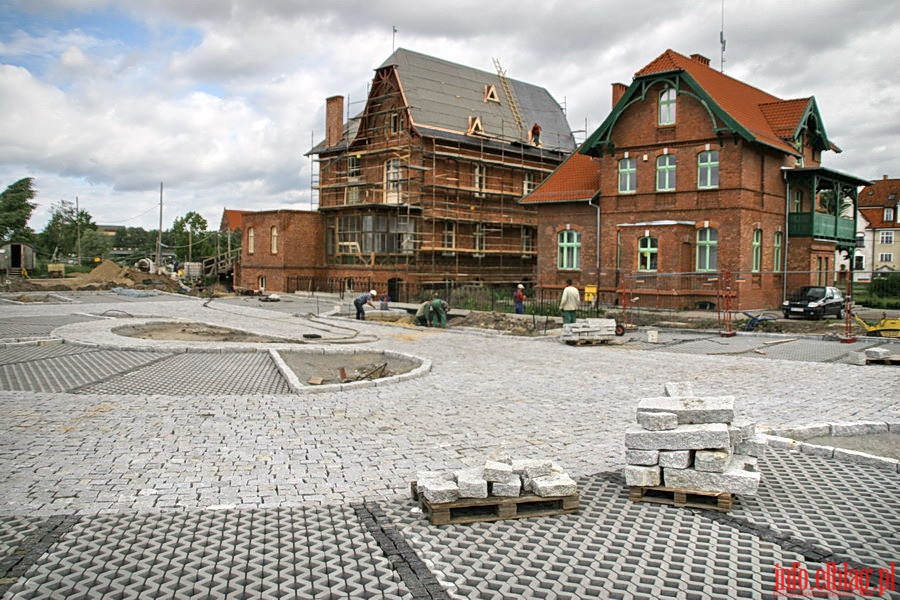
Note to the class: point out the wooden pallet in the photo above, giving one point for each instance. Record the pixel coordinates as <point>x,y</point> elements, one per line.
<point>588,341</point>
<point>891,360</point>
<point>720,501</point>
<point>495,508</point>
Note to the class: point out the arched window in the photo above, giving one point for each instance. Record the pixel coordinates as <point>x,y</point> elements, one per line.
<point>707,249</point>
<point>251,240</point>
<point>648,247</point>
<point>568,250</point>
<point>665,173</point>
<point>776,251</point>
<point>757,250</point>
<point>667,107</point>
<point>274,234</point>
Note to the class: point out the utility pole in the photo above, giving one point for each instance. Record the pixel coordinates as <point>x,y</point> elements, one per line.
<point>159,232</point>
<point>77,231</point>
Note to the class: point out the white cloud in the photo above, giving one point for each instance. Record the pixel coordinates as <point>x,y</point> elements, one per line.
<point>221,100</point>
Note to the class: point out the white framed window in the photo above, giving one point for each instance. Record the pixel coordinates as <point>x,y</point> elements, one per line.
<point>392,181</point>
<point>667,107</point>
<point>568,250</point>
<point>627,175</point>
<point>757,250</point>
<point>354,167</point>
<point>479,178</point>
<point>479,238</point>
<point>708,169</point>
<point>251,240</point>
<point>261,283</point>
<point>886,237</point>
<point>777,242</point>
<point>528,183</point>
<point>888,215</point>
<point>527,239</point>
<point>665,173</point>
<point>648,251</point>
<point>273,233</point>
<point>886,257</point>
<point>449,237</point>
<point>707,249</point>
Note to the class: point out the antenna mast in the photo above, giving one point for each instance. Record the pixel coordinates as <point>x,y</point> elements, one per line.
<point>722,39</point>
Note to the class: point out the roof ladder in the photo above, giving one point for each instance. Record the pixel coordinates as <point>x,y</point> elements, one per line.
<point>511,97</point>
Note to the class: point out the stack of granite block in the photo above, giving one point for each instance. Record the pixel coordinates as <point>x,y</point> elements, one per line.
<point>503,478</point>
<point>687,442</point>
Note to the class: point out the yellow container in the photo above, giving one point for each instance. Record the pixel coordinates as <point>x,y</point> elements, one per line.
<point>590,293</point>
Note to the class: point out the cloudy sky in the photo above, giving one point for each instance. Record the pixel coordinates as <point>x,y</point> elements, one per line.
<point>219,99</point>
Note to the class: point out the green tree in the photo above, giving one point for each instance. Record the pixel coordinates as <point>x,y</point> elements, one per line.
<point>66,225</point>
<point>15,211</point>
<point>95,244</point>
<point>186,229</point>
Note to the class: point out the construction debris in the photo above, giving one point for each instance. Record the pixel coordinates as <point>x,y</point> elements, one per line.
<point>691,444</point>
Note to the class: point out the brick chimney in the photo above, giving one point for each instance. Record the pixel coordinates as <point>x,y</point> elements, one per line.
<point>618,90</point>
<point>700,59</point>
<point>334,120</point>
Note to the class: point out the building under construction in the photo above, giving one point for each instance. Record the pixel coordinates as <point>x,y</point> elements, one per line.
<point>423,186</point>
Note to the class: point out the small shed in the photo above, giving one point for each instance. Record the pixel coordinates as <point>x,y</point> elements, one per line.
<point>15,256</point>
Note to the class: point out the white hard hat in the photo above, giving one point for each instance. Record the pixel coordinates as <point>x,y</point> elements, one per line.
<point>373,292</point>
<point>521,287</point>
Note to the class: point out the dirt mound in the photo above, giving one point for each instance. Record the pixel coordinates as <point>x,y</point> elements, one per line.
<point>105,276</point>
<point>511,323</point>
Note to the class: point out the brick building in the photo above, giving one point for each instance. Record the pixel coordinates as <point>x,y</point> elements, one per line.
<point>695,188</point>
<point>879,207</point>
<point>421,187</point>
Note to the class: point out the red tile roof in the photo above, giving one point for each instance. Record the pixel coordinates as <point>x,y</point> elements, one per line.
<point>232,219</point>
<point>577,178</point>
<point>764,115</point>
<point>873,199</point>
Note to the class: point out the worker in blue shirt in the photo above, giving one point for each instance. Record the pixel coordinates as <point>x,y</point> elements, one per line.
<point>362,300</point>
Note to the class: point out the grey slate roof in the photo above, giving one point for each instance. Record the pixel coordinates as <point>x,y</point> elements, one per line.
<point>442,95</point>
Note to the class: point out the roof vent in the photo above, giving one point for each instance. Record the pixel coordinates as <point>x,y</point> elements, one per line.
<point>700,59</point>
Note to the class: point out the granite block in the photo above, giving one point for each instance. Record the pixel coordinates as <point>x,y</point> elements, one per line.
<point>684,437</point>
<point>439,491</point>
<point>675,389</point>
<point>712,461</point>
<point>512,487</point>
<point>676,459</point>
<point>497,471</point>
<point>733,480</point>
<point>755,446</point>
<point>641,457</point>
<point>471,483</point>
<point>693,409</point>
<point>657,421</point>
<point>558,484</point>
<point>532,467</point>
<point>642,476</point>
<point>861,458</point>
<point>858,428</point>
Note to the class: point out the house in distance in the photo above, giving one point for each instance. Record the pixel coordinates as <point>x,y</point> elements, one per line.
<point>695,188</point>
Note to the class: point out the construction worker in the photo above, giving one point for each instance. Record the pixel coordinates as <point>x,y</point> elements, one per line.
<point>423,315</point>
<point>361,301</point>
<point>439,310</point>
<point>569,302</point>
<point>536,134</point>
<point>519,299</point>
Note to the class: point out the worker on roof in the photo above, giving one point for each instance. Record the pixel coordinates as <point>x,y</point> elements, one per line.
<point>536,134</point>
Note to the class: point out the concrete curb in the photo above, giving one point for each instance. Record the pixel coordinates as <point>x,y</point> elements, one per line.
<point>792,439</point>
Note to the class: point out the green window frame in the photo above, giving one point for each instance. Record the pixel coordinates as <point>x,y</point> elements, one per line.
<point>667,107</point>
<point>707,249</point>
<point>627,175</point>
<point>777,243</point>
<point>708,169</point>
<point>665,173</point>
<point>648,252</point>
<point>757,250</point>
<point>568,250</point>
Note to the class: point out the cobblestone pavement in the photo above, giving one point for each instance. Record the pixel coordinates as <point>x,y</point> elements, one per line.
<point>180,457</point>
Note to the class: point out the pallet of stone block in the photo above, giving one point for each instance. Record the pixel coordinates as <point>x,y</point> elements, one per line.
<point>498,508</point>
<point>889,360</point>
<point>720,501</point>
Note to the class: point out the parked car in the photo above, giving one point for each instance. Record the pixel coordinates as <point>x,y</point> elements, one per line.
<point>814,301</point>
